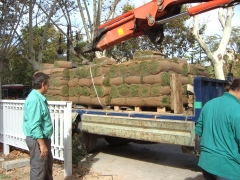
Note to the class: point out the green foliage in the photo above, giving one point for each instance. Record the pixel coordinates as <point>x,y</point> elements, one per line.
<point>18,71</point>
<point>77,154</point>
<point>50,44</point>
<point>3,176</point>
<point>127,7</point>
<point>235,39</point>
<point>177,40</point>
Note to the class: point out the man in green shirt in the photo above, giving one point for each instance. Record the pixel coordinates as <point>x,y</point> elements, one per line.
<point>219,129</point>
<point>37,126</point>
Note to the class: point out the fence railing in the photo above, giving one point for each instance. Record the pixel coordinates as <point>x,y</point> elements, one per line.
<point>11,133</point>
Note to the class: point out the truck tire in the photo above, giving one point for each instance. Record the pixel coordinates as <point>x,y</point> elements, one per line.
<point>116,141</point>
<point>88,141</point>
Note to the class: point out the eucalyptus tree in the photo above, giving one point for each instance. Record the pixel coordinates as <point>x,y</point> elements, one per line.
<point>216,56</point>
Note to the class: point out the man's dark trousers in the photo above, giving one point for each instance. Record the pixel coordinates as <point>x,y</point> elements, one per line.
<point>41,168</point>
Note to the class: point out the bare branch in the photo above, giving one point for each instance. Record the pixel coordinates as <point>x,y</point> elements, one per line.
<point>94,14</point>
<point>84,21</point>
<point>221,17</point>
<point>195,32</point>
<point>98,17</point>
<point>226,31</point>
<point>114,5</point>
<point>52,20</point>
<point>30,30</point>
<point>45,32</point>
<point>99,13</point>
<point>14,27</point>
<point>88,15</point>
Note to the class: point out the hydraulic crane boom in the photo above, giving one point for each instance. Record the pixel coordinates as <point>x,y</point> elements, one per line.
<point>148,19</point>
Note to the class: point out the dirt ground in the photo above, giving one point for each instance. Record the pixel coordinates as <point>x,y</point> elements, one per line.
<point>81,172</point>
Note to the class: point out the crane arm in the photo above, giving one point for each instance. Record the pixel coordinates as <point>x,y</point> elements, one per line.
<point>148,19</point>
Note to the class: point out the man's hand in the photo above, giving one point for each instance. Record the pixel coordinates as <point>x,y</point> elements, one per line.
<point>43,148</point>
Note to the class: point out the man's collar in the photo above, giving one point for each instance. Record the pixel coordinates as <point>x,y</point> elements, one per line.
<point>39,94</point>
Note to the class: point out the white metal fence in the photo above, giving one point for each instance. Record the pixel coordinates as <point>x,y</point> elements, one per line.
<point>11,133</point>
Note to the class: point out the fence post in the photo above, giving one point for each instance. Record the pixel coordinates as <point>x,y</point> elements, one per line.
<point>6,148</point>
<point>68,139</point>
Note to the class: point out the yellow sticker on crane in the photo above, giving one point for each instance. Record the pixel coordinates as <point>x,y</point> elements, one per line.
<point>120,32</point>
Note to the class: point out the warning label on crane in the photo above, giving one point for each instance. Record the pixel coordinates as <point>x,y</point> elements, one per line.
<point>120,32</point>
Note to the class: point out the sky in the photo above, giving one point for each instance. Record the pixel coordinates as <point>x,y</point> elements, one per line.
<point>213,26</point>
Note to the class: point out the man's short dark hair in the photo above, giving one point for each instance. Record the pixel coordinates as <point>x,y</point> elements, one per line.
<point>235,85</point>
<point>39,78</point>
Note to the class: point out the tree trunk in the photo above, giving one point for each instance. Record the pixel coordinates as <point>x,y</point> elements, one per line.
<point>216,57</point>
<point>2,67</point>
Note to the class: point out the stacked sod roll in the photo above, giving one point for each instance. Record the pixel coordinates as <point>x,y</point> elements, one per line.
<point>59,79</point>
<point>143,81</point>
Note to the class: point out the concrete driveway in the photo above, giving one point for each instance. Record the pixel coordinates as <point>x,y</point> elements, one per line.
<point>144,162</point>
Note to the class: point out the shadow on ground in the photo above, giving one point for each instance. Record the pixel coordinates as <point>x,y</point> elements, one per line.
<point>162,154</point>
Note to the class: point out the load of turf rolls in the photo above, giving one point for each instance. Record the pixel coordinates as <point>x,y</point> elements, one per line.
<point>143,81</point>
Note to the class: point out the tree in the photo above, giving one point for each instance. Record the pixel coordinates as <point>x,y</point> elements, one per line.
<point>18,71</point>
<point>177,40</point>
<point>11,17</point>
<point>102,11</point>
<point>216,56</point>
<point>17,16</point>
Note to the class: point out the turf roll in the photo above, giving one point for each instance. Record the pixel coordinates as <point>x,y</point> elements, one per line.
<point>73,82</point>
<point>84,82</point>
<point>123,90</point>
<point>118,102</point>
<point>114,92</point>
<point>116,81</point>
<point>63,64</point>
<point>86,91</point>
<point>77,91</point>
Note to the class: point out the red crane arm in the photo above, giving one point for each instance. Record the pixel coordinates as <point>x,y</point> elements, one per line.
<point>148,19</point>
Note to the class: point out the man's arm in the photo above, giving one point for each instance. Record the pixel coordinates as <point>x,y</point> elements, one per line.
<point>236,129</point>
<point>199,125</point>
<point>34,118</point>
<point>43,148</point>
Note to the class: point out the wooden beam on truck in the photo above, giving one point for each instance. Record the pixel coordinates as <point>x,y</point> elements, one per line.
<point>176,93</point>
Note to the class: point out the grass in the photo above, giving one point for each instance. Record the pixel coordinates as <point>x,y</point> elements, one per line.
<point>3,176</point>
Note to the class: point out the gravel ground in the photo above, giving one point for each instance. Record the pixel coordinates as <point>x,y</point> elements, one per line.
<point>79,172</point>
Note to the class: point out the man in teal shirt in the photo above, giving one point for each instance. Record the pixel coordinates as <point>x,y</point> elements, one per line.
<point>37,126</point>
<point>219,129</point>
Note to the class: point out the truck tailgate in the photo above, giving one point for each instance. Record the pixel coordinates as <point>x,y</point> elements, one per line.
<point>155,130</point>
